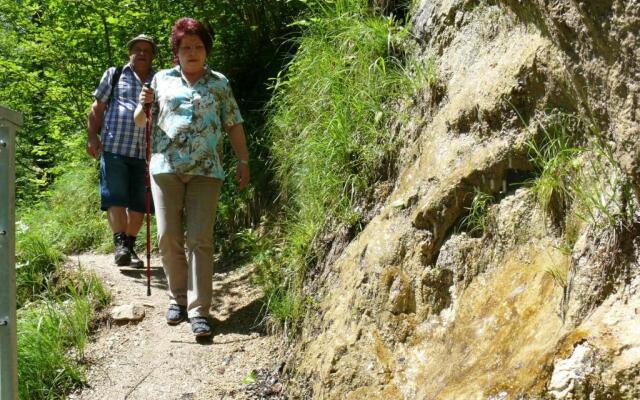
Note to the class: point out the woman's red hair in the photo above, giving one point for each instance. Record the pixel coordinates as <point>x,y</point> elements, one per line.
<point>189,26</point>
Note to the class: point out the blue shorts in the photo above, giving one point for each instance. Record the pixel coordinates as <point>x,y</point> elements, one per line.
<point>122,183</point>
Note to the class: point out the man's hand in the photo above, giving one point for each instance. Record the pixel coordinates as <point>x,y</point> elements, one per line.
<point>94,122</point>
<point>94,146</point>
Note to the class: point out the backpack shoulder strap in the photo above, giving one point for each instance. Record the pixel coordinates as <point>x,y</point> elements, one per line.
<point>115,78</point>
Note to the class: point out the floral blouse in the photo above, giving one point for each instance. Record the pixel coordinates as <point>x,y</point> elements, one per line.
<point>188,123</point>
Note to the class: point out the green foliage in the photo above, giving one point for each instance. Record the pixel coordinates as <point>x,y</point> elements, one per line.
<point>558,275</point>
<point>48,329</point>
<point>250,378</point>
<point>423,73</point>
<point>585,179</point>
<point>45,332</point>
<point>67,220</point>
<point>52,54</point>
<point>56,308</point>
<point>573,225</point>
<point>37,263</point>
<point>71,210</point>
<point>327,123</point>
<point>475,222</point>
<point>603,194</point>
<point>553,157</point>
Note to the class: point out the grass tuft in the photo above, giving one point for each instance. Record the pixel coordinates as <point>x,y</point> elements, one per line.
<point>559,276</point>
<point>579,184</point>
<point>52,334</point>
<point>603,193</point>
<point>553,155</point>
<point>475,222</point>
<point>37,262</point>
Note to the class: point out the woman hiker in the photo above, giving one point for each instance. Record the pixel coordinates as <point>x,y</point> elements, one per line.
<point>190,105</point>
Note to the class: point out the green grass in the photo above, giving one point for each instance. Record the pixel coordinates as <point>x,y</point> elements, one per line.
<point>602,191</point>
<point>573,226</point>
<point>328,124</point>
<point>69,216</point>
<point>55,308</point>
<point>553,155</point>
<point>52,333</point>
<point>38,261</point>
<point>559,276</point>
<point>67,220</point>
<point>475,222</point>
<point>579,183</point>
<point>423,73</point>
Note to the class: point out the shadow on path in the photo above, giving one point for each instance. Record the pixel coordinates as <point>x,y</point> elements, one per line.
<point>158,279</point>
<point>244,321</point>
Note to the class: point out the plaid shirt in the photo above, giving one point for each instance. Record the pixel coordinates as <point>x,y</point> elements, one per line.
<point>119,133</point>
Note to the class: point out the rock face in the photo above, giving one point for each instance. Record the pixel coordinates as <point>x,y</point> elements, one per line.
<point>417,308</point>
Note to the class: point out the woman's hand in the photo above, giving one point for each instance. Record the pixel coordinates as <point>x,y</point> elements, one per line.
<point>147,96</point>
<point>145,99</point>
<point>239,145</point>
<point>242,174</point>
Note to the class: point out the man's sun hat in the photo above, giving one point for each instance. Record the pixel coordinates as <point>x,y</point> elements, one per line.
<point>143,38</point>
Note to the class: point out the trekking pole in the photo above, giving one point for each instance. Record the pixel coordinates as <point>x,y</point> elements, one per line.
<point>147,182</point>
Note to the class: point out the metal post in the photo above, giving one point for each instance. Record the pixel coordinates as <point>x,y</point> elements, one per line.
<point>9,122</point>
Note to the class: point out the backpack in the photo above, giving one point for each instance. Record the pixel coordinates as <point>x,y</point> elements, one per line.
<point>115,78</point>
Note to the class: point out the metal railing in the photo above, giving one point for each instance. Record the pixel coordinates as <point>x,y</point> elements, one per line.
<point>9,122</point>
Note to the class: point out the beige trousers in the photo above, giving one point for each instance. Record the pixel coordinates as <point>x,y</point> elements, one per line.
<point>189,201</point>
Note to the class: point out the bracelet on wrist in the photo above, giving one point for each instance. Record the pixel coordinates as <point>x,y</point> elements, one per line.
<point>245,162</point>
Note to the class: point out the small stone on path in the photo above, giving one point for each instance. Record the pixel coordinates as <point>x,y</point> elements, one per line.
<point>128,312</point>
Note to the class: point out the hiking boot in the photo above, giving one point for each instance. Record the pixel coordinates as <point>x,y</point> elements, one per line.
<point>200,326</point>
<point>176,314</point>
<point>136,262</point>
<point>122,253</point>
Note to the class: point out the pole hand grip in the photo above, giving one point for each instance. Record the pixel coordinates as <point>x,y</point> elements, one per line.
<point>147,106</point>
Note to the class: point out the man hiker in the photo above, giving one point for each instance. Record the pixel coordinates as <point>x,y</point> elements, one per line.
<point>121,147</point>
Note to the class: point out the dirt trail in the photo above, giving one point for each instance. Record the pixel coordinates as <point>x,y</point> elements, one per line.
<point>152,360</point>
